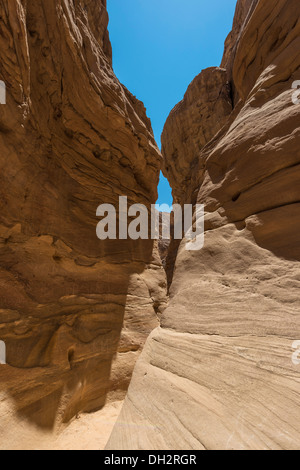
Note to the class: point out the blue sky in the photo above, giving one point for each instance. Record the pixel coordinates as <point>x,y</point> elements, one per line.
<point>159,46</point>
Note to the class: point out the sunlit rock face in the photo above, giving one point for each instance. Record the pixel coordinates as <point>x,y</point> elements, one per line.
<point>219,372</point>
<point>74,311</point>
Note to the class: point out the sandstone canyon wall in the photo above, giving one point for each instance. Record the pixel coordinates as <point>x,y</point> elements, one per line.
<point>218,372</point>
<point>74,311</point>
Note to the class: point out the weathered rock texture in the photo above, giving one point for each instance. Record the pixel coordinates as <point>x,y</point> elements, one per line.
<point>218,373</point>
<point>71,137</point>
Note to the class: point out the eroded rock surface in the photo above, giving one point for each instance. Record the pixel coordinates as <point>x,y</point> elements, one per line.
<point>218,373</point>
<point>71,138</point>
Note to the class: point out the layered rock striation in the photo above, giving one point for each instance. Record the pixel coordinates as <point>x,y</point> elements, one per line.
<point>74,311</point>
<point>219,371</point>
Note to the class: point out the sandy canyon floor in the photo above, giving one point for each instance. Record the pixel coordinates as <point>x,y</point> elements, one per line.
<point>87,432</point>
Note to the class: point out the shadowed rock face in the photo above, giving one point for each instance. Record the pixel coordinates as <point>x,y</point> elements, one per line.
<point>71,138</point>
<point>218,373</point>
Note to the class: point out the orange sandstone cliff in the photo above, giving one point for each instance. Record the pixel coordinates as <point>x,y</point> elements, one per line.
<point>74,311</point>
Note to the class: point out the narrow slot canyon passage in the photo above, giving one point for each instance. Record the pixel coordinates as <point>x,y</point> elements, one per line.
<point>111,338</point>
<point>158,68</point>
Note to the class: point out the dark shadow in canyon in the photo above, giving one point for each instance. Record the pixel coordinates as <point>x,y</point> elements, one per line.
<point>63,367</point>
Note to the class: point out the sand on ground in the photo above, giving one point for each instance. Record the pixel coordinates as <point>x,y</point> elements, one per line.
<point>87,432</point>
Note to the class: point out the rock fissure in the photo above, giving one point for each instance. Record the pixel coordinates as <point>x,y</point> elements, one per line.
<point>75,313</point>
